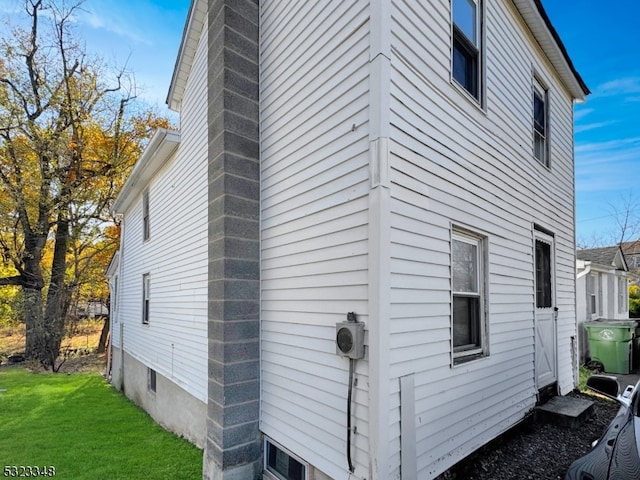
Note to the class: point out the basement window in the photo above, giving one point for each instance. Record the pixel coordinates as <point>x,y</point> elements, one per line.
<point>282,464</point>
<point>151,380</point>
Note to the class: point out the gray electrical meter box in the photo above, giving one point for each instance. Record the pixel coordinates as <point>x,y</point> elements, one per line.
<point>350,339</point>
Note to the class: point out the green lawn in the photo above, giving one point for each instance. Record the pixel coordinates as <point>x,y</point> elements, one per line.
<point>86,430</point>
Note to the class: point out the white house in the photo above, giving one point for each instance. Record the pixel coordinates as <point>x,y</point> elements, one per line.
<point>602,289</point>
<point>405,165</point>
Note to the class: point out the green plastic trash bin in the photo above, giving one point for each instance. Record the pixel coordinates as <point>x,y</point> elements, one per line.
<point>611,344</point>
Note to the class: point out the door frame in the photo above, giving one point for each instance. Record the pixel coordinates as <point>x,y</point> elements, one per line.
<point>550,313</point>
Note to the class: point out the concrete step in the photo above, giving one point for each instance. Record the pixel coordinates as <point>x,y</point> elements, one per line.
<point>569,412</point>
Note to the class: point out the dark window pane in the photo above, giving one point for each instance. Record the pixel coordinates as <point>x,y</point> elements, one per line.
<point>152,380</point>
<point>540,125</point>
<point>466,321</point>
<point>145,214</point>
<point>465,66</point>
<point>296,469</point>
<point>543,275</point>
<point>280,462</point>
<point>539,113</point>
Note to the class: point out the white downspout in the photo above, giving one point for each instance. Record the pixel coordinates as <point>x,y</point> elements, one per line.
<point>118,301</point>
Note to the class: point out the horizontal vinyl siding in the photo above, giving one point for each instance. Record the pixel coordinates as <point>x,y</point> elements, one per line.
<point>314,235</point>
<point>175,256</point>
<point>453,163</point>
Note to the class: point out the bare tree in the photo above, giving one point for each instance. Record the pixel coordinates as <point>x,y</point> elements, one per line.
<point>626,224</point>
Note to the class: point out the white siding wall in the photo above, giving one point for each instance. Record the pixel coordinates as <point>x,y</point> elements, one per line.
<point>314,114</point>
<point>455,163</point>
<point>175,341</point>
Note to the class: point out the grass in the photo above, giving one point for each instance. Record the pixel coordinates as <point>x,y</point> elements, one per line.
<point>86,430</point>
<point>584,374</point>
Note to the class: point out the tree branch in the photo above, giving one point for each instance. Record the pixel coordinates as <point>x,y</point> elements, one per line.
<point>17,280</point>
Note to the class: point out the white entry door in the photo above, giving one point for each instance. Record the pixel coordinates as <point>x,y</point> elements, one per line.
<point>545,312</point>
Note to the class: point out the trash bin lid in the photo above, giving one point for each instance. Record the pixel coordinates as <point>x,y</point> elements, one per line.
<point>603,322</point>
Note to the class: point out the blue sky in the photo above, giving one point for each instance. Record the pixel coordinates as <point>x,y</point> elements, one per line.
<point>602,42</point>
<point>145,35</point>
<point>142,35</point>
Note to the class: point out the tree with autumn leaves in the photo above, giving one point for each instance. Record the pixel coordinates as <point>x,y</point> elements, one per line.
<point>70,131</point>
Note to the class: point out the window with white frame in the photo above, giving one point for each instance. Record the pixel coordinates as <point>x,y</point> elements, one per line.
<point>282,464</point>
<point>146,230</point>
<point>540,123</point>
<point>467,45</point>
<point>468,292</point>
<point>146,288</point>
<point>623,295</point>
<point>593,287</point>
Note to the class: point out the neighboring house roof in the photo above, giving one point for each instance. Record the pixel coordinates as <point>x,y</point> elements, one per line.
<point>532,12</point>
<point>606,257</point>
<point>160,148</point>
<point>631,248</point>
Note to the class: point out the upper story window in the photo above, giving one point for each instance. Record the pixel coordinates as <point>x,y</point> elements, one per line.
<point>145,215</point>
<point>468,294</point>
<point>467,34</point>
<point>540,123</point>
<point>146,291</point>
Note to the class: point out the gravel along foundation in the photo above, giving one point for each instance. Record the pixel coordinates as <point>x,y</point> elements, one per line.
<point>535,451</point>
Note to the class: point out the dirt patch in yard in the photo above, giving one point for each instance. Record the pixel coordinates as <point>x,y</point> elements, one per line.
<point>535,451</point>
<point>77,350</point>
<point>85,362</point>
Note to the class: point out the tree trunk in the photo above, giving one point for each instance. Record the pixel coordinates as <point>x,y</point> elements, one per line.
<point>55,311</point>
<point>34,322</point>
<point>32,284</point>
<point>102,345</point>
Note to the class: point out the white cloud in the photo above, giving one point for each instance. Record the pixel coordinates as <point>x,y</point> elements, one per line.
<point>602,166</point>
<point>114,24</point>
<point>620,86</point>
<point>580,113</point>
<point>590,126</point>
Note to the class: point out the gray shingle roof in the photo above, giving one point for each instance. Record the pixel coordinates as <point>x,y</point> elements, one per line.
<point>601,256</point>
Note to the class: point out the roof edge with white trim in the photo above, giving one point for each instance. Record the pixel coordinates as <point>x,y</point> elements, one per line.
<point>531,11</point>
<point>161,146</point>
<point>536,18</point>
<point>196,19</point>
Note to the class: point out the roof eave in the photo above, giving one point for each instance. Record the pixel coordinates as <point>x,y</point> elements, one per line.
<point>196,19</point>
<point>536,18</point>
<point>112,269</point>
<point>161,147</point>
